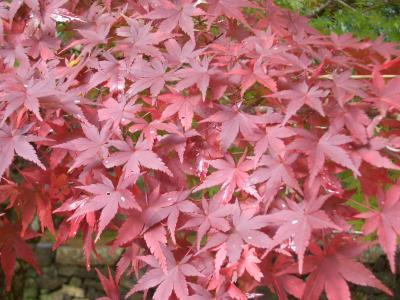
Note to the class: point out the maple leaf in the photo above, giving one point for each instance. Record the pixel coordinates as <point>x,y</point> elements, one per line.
<point>179,55</point>
<point>251,75</point>
<point>121,111</point>
<point>248,262</point>
<point>156,238</point>
<point>355,120</point>
<point>297,223</point>
<point>139,38</point>
<point>26,94</point>
<point>333,266</point>
<point>134,156</point>
<point>15,5</point>
<point>228,173</point>
<point>234,121</point>
<point>279,276</point>
<point>245,229</point>
<point>174,14</point>
<point>150,129</point>
<point>112,71</point>
<point>272,141</point>
<point>372,155</point>
<point>184,106</point>
<point>108,199</point>
<point>13,246</point>
<point>384,49</point>
<point>198,74</point>
<point>151,75</point>
<point>153,212</point>
<point>37,194</point>
<point>42,44</point>
<point>109,285</point>
<point>385,222</point>
<point>345,88</point>
<point>91,37</point>
<point>274,171</point>
<point>167,282</point>
<point>326,146</point>
<point>169,205</point>
<point>345,41</point>
<point>385,95</point>
<point>228,8</point>
<point>213,215</point>
<point>300,95</point>
<point>91,147</point>
<point>129,257</point>
<point>16,140</point>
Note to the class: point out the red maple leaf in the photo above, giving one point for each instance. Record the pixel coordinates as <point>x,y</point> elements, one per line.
<point>213,215</point>
<point>177,55</point>
<point>121,111</point>
<point>109,286</point>
<point>300,95</point>
<point>13,246</point>
<point>333,266</point>
<point>174,280</point>
<point>25,93</point>
<point>385,95</point>
<point>107,198</point>
<point>138,38</point>
<point>279,276</point>
<point>272,141</point>
<point>198,74</point>
<point>245,229</point>
<point>151,75</point>
<point>386,222</point>
<point>183,106</point>
<point>14,140</point>
<point>274,171</point>
<point>228,174</point>
<point>91,148</point>
<point>298,222</point>
<point>133,156</point>
<point>234,121</point>
<point>174,14</point>
<point>318,149</point>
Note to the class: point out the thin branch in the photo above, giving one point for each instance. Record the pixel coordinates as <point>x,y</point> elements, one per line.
<point>347,5</point>
<point>329,76</point>
<point>319,10</point>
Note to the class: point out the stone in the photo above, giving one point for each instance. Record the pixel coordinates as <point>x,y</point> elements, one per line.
<point>69,271</point>
<point>73,255</point>
<point>92,283</point>
<point>44,254</point>
<point>75,281</point>
<point>92,293</point>
<point>73,291</point>
<point>30,289</point>
<point>75,271</point>
<point>57,295</point>
<point>50,279</point>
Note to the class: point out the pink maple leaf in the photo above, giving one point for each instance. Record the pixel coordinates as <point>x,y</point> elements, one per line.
<point>178,13</point>
<point>14,140</point>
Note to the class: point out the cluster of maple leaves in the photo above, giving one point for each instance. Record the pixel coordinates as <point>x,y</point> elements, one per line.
<point>207,136</point>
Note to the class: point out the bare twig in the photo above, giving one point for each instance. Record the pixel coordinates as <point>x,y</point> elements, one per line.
<point>329,76</point>
<point>347,5</point>
<point>316,12</point>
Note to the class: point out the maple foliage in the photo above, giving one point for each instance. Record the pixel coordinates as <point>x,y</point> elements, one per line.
<point>226,144</point>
